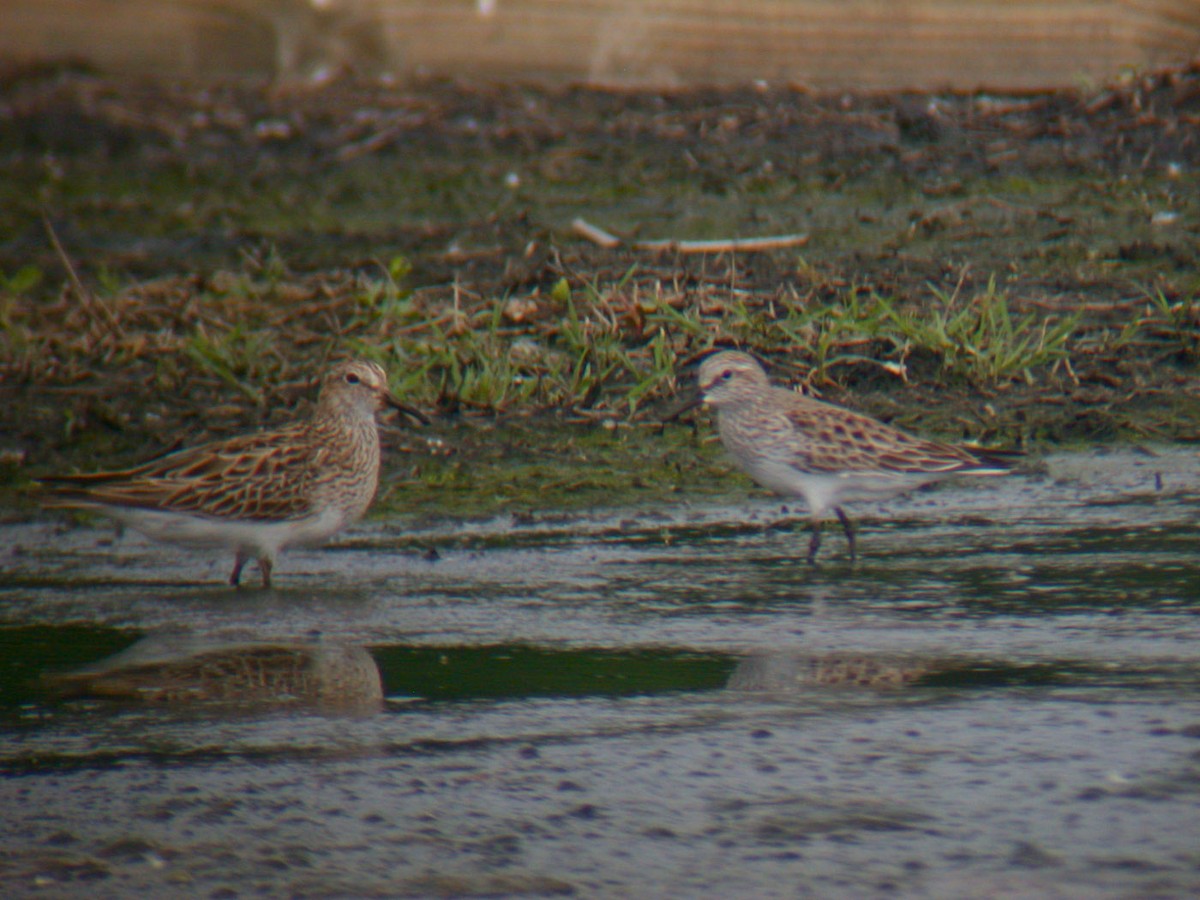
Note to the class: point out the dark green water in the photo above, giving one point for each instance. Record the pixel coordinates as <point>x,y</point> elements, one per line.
<point>640,704</point>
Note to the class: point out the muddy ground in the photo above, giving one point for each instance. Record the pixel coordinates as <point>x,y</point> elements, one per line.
<point>177,261</point>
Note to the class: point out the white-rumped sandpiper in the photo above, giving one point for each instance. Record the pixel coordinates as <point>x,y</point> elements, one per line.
<point>800,447</point>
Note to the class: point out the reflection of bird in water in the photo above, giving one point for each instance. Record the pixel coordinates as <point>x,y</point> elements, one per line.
<point>332,677</point>
<point>259,493</point>
<point>789,672</point>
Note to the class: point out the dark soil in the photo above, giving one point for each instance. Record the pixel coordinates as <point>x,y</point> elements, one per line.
<point>218,242</point>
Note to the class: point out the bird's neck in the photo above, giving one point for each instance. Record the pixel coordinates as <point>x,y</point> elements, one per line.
<point>347,426</point>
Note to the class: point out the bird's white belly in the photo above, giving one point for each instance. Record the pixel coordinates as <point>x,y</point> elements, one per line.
<point>822,491</point>
<point>257,537</point>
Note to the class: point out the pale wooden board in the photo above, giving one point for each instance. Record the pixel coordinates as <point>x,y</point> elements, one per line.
<point>824,44</point>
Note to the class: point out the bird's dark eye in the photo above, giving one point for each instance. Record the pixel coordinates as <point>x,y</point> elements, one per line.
<point>351,378</point>
<point>727,374</point>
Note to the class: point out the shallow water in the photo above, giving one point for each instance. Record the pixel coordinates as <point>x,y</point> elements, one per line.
<point>641,704</point>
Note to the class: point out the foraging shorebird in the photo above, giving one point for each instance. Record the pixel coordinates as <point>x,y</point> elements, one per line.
<point>259,493</point>
<point>800,447</point>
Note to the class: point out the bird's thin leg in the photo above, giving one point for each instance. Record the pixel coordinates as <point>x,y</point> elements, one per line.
<point>238,565</point>
<point>847,527</point>
<point>814,543</point>
<point>265,565</point>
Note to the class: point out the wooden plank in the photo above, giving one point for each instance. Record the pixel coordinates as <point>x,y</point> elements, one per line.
<point>829,44</point>
<point>849,43</point>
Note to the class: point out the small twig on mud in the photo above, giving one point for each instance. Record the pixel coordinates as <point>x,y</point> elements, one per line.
<point>1065,364</point>
<point>392,133</point>
<point>375,142</point>
<point>87,298</point>
<point>609,241</point>
<point>596,235</point>
<point>744,245</point>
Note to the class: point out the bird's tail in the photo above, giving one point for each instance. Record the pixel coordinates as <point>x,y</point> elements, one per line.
<point>993,462</point>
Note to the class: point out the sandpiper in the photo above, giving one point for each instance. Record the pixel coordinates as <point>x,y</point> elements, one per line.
<point>258,493</point>
<point>797,446</point>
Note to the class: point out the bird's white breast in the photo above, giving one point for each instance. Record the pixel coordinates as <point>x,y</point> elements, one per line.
<point>821,491</point>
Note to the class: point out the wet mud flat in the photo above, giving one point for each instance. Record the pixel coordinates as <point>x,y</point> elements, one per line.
<point>1001,698</point>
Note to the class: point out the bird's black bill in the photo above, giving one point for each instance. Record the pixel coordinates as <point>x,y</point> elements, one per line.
<point>688,400</point>
<point>408,410</point>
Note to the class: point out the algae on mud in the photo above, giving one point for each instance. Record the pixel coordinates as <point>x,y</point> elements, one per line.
<point>1018,270</point>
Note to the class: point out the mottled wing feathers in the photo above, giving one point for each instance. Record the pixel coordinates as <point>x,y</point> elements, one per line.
<point>261,476</point>
<point>829,439</point>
